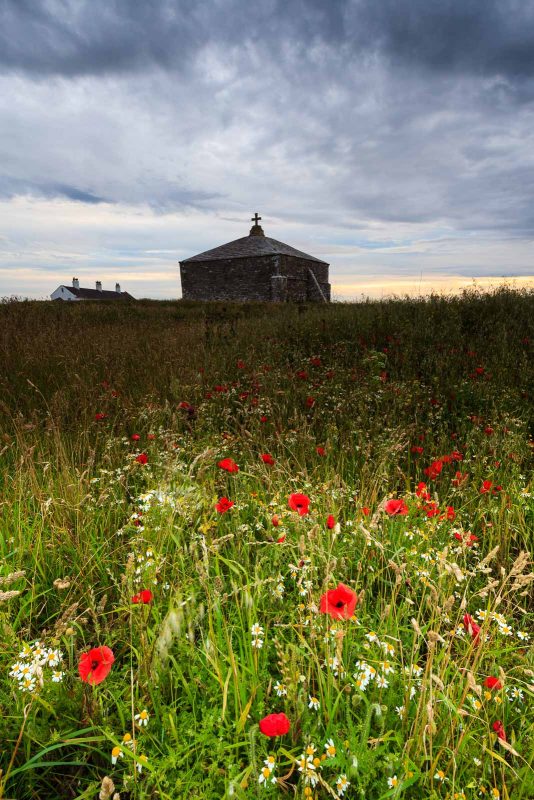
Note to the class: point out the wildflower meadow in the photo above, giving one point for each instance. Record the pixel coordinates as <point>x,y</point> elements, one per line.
<point>253,551</point>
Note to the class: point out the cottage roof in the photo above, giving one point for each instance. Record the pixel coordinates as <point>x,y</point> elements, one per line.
<point>98,294</point>
<point>255,244</point>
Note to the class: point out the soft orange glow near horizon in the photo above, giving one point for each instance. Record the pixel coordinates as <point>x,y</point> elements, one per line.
<point>391,285</point>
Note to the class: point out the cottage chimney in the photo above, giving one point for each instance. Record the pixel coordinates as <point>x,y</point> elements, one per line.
<point>118,288</point>
<point>98,286</point>
<point>75,283</point>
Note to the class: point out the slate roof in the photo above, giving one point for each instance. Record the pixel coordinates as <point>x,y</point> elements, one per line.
<point>96,294</point>
<point>248,247</point>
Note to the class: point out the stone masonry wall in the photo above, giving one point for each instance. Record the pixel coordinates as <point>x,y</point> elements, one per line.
<point>228,279</point>
<point>301,287</point>
<point>250,279</point>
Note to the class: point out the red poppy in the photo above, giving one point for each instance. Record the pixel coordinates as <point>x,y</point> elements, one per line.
<point>267,459</point>
<point>151,436</point>
<point>421,491</point>
<point>320,451</point>
<point>396,508</point>
<point>135,437</point>
<point>95,665</point>
<point>184,404</point>
<point>240,364</point>
<point>275,725</point>
<point>228,464</point>
<point>339,603</point>
<point>299,502</point>
<point>310,402</point>
<point>263,418</point>
<point>315,361</point>
<point>281,539</point>
<point>417,449</point>
<point>488,430</point>
<point>434,469</point>
<point>365,511</point>
<point>142,458</point>
<point>330,522</point>
<point>223,505</point>
<point>471,627</point>
<point>498,727</point>
<point>459,478</point>
<point>492,683</point>
<point>100,416</point>
<point>145,596</point>
<point>275,520</point>
<point>302,374</point>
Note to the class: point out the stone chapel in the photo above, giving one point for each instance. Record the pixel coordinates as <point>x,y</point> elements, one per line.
<point>255,268</point>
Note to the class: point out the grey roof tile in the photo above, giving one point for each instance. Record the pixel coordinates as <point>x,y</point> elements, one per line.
<point>250,246</point>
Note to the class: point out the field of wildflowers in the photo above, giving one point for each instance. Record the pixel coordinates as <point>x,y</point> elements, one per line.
<point>254,552</point>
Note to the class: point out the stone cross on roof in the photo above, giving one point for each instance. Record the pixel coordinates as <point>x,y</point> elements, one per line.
<point>256,229</point>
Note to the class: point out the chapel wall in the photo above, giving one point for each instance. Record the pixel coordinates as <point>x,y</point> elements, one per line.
<point>228,279</point>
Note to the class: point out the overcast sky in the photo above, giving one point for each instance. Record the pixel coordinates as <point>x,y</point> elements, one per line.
<point>392,138</point>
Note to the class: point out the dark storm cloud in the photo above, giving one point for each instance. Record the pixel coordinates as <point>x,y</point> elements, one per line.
<point>80,37</point>
<point>487,37</point>
<point>378,134</point>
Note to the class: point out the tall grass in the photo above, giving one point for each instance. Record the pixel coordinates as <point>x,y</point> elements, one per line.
<point>344,398</point>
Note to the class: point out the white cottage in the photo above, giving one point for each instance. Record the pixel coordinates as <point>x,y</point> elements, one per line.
<point>75,292</point>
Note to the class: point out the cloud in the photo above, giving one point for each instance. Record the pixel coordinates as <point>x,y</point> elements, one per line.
<point>14,187</point>
<point>373,131</point>
<point>95,37</point>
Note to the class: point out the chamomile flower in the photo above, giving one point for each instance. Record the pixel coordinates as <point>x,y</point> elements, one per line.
<point>342,784</point>
<point>256,630</point>
<point>142,718</point>
<point>440,776</point>
<point>371,636</point>
<point>381,682</point>
<point>393,782</point>
<point>496,795</point>
<point>142,761</point>
<point>308,770</point>
<point>53,657</point>
<point>314,703</point>
<point>39,653</point>
<point>116,753</point>
<point>280,689</point>
<point>25,652</point>
<point>523,636</point>
<point>475,702</point>
<point>399,710</point>
<point>266,773</point>
<point>386,667</point>
<point>57,676</point>
<point>330,748</point>
<point>505,629</point>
